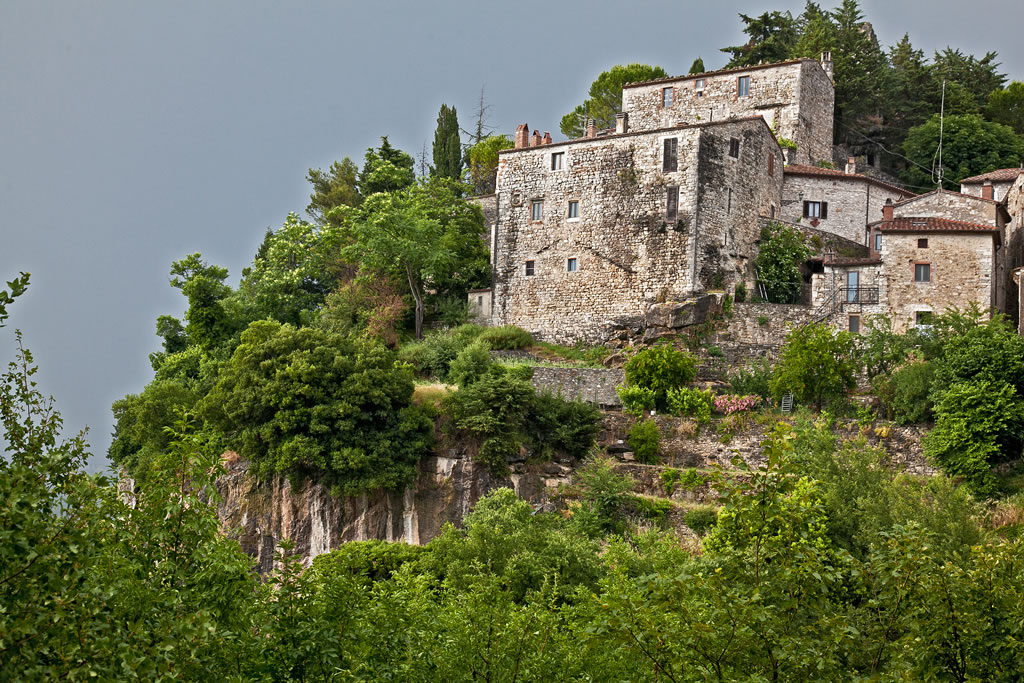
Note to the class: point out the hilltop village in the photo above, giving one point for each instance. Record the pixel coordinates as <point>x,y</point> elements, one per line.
<point>588,235</point>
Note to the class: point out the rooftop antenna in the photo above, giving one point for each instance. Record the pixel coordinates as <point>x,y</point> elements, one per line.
<point>937,173</point>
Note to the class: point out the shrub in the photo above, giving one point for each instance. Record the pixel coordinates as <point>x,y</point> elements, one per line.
<point>754,380</point>
<point>690,479</point>
<point>701,519</point>
<point>906,395</point>
<point>689,402</point>
<point>660,368</point>
<point>977,424</point>
<point>452,310</point>
<point>715,352</point>
<point>740,294</point>
<point>636,400</point>
<point>816,365</point>
<point>603,491</point>
<point>727,404</point>
<point>555,424</point>
<point>645,440</point>
<point>471,364</point>
<point>433,355</point>
<point>880,348</point>
<point>781,252</point>
<point>655,509</point>
<point>507,337</point>
<point>375,560</point>
<point>670,479</point>
<point>726,305</point>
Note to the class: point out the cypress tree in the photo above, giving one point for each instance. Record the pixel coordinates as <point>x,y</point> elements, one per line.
<point>447,145</point>
<point>698,66</point>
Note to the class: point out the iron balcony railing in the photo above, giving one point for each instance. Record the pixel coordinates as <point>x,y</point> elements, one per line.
<point>858,295</point>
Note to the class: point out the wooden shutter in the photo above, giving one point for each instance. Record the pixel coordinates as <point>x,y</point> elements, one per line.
<point>671,203</point>
<point>824,209</point>
<point>671,158</point>
<point>807,206</point>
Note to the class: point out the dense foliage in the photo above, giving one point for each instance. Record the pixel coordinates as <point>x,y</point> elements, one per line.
<point>780,254</point>
<point>660,368</point>
<point>817,365</point>
<point>605,97</point>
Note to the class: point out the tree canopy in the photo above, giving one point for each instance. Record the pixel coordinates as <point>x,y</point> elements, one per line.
<point>970,146</point>
<point>447,145</point>
<point>605,97</point>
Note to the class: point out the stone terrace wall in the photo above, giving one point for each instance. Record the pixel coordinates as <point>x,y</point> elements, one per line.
<point>594,385</point>
<point>765,324</point>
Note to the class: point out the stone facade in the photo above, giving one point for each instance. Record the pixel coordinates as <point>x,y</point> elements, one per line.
<point>954,206</point>
<point>795,98</point>
<point>1013,251</point>
<point>587,233</point>
<point>994,185</point>
<point>479,301</point>
<point>853,200</point>
<point>594,385</point>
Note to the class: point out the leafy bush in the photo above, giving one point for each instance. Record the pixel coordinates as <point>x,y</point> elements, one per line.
<point>754,380</point>
<point>669,479</point>
<point>655,509</point>
<point>906,394</point>
<point>506,337</point>
<point>471,364</point>
<point>433,355</point>
<point>636,400</point>
<point>817,365</point>
<point>556,424</point>
<point>701,519</point>
<point>603,491</point>
<point>727,404</point>
<point>690,479</point>
<point>452,310</point>
<point>977,424</point>
<point>645,440</point>
<point>880,348</point>
<point>689,402</point>
<point>374,560</point>
<point>741,292</point>
<point>990,351</point>
<point>727,304</point>
<point>781,252</point>
<point>659,369</point>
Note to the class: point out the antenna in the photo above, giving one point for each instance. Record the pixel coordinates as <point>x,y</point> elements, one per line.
<point>937,173</point>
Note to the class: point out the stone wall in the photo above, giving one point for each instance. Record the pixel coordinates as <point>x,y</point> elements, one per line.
<point>852,202</point>
<point>765,325</point>
<point>594,385</point>
<point>795,98</point>
<point>626,253</point>
<point>951,205</point>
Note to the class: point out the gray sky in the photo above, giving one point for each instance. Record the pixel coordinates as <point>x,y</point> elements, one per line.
<point>133,133</point>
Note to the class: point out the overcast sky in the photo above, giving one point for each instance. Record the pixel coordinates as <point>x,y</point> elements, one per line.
<point>133,133</point>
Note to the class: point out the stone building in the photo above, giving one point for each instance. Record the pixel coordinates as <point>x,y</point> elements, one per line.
<point>795,98</point>
<point>839,202</point>
<point>1013,252</point>
<point>602,227</point>
<point>991,185</point>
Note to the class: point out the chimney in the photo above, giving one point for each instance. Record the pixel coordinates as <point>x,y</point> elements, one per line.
<point>522,138</point>
<point>535,139</point>
<point>887,210</point>
<point>986,190</point>
<point>851,165</point>
<point>547,138</point>
<point>621,124</point>
<point>591,129</point>
<point>826,64</point>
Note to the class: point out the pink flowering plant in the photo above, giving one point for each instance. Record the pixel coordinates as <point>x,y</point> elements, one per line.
<point>727,404</point>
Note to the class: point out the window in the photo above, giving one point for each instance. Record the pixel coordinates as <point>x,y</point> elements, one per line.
<point>922,272</point>
<point>574,209</point>
<point>571,265</point>
<point>923,318</point>
<point>922,243</point>
<point>537,210</point>
<point>557,161</point>
<point>878,241</point>
<point>666,97</point>
<point>852,286</point>
<point>734,148</point>
<point>743,86</point>
<point>771,164</point>
<point>815,209</point>
<point>854,324</point>
<point>670,159</point>
<point>871,159</point>
<point>698,85</point>
<point>671,203</point>
<point>530,268</point>
<point>480,301</point>
<point>771,211</point>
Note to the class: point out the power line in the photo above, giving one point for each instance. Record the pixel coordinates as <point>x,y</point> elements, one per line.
<point>885,149</point>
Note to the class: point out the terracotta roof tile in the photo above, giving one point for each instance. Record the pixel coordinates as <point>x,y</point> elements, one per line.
<point>1002,175</point>
<point>932,224</point>
<point>800,169</point>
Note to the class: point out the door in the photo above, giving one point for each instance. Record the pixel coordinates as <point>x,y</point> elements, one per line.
<point>852,283</point>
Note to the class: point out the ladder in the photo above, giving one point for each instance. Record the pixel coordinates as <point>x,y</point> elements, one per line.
<point>787,403</point>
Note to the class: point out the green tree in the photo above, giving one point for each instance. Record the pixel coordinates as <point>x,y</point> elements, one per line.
<point>332,188</point>
<point>970,146</point>
<point>771,38</point>
<point>817,365</point>
<point>1007,107</point>
<point>697,67</point>
<point>660,368</point>
<point>447,145</point>
<point>860,69</point>
<point>17,287</point>
<point>780,254</point>
<point>208,323</point>
<point>978,76</point>
<point>308,402</point>
<point>605,97</point>
<point>483,163</point>
<point>385,169</point>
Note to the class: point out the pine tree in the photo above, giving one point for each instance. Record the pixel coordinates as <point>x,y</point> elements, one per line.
<point>447,145</point>
<point>772,38</point>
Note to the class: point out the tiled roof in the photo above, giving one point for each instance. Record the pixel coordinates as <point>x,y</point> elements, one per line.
<point>706,74</point>
<point>1003,175</point>
<point>851,261</point>
<point>931,224</point>
<point>800,169</point>
<point>937,190</point>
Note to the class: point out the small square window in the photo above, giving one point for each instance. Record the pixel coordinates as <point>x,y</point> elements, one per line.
<point>922,243</point>
<point>480,301</point>
<point>666,97</point>
<point>743,86</point>
<point>734,148</point>
<point>854,324</point>
<point>537,210</point>
<point>529,268</point>
<point>574,209</point>
<point>557,161</point>
<point>698,84</point>
<point>815,209</point>
<point>571,265</point>
<point>922,272</point>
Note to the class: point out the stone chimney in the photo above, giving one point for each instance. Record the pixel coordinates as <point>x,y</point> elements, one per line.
<point>851,165</point>
<point>826,64</point>
<point>535,139</point>
<point>621,123</point>
<point>986,190</point>
<point>547,138</point>
<point>522,137</point>
<point>887,210</point>
<point>591,129</point>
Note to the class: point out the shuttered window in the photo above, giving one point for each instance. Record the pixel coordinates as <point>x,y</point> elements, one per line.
<point>671,203</point>
<point>671,158</point>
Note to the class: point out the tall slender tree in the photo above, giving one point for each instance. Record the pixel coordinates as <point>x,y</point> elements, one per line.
<point>698,66</point>
<point>447,145</point>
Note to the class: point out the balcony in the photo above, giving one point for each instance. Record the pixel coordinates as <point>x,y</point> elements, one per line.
<point>858,295</point>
